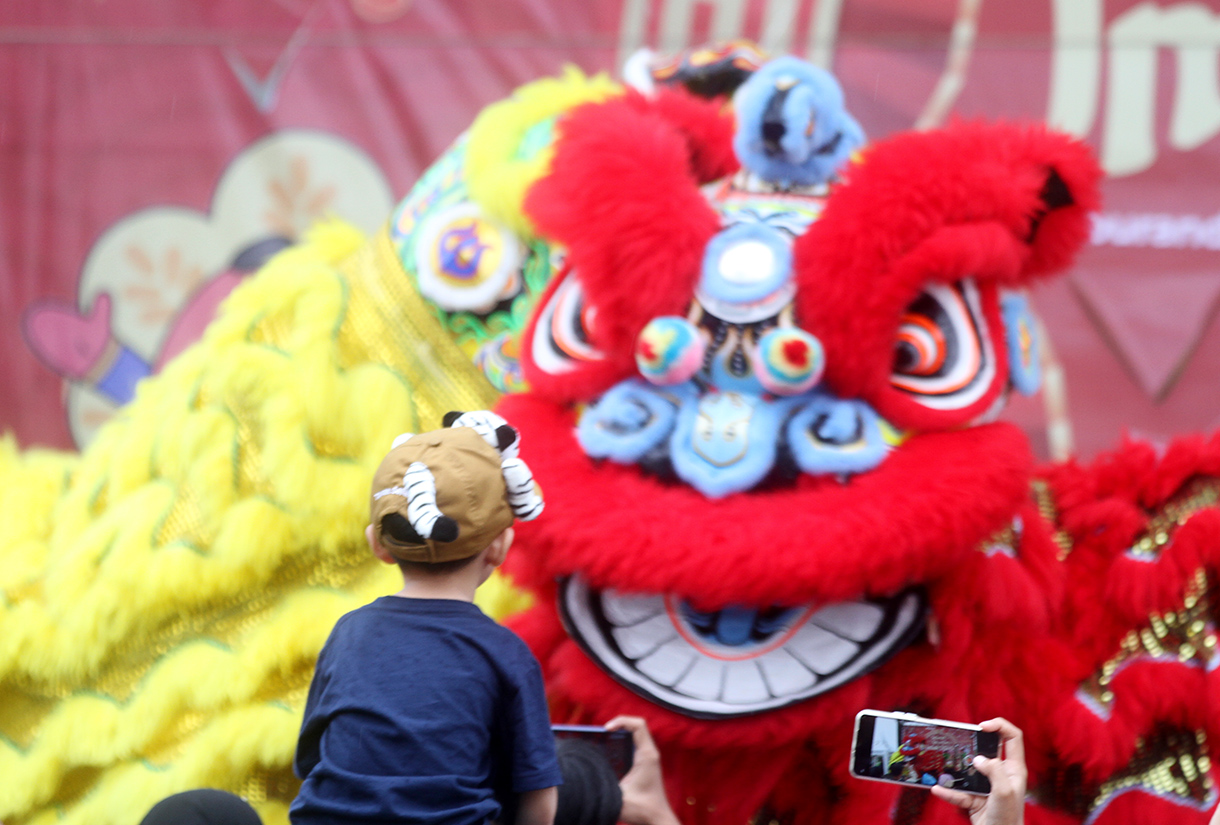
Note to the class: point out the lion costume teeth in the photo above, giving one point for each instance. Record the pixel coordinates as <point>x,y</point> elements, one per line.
<point>735,661</point>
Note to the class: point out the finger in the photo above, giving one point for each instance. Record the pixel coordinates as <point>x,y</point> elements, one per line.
<point>961,800</point>
<point>1001,783</point>
<point>638,727</point>
<point>1010,736</point>
<point>630,723</point>
<point>641,738</point>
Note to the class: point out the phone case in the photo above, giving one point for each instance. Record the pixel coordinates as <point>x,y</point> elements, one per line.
<point>909,750</point>
<point>617,745</point>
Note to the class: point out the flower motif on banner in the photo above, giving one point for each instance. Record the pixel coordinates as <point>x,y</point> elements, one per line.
<point>153,280</point>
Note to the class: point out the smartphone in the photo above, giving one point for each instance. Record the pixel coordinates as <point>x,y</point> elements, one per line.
<point>909,750</point>
<point>615,744</point>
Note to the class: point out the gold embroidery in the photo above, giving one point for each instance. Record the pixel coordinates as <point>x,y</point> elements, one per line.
<point>1197,494</point>
<point>1184,634</point>
<point>1046,508</point>
<point>1173,763</point>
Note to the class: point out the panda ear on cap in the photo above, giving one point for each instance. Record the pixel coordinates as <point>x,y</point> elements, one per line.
<point>493,429</point>
<point>506,436</point>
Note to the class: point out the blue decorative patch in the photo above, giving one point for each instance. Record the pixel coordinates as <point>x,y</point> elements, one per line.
<point>745,264</point>
<point>723,442</point>
<point>726,442</point>
<point>792,126</point>
<point>829,435</point>
<point>1021,337</point>
<point>628,421</point>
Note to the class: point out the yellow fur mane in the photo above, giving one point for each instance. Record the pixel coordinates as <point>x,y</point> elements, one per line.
<point>500,161</point>
<point>164,594</point>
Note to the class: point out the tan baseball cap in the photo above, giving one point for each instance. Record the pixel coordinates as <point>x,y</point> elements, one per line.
<point>470,490</point>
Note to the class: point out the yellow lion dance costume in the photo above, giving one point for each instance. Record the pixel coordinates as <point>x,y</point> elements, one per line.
<point>164,594</point>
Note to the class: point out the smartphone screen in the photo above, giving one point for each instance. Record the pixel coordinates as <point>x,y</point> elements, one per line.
<point>910,750</point>
<point>616,745</point>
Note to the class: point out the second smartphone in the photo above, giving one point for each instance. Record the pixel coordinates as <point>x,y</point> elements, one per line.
<point>910,750</point>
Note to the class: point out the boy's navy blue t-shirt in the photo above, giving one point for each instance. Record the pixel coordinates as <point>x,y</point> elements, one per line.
<point>421,711</point>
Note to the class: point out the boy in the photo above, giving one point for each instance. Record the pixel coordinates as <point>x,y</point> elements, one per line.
<point>422,709</point>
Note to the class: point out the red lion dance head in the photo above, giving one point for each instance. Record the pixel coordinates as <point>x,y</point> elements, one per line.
<point>762,408</point>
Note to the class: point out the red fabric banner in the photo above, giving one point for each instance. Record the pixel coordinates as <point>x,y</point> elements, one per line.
<point>151,155</point>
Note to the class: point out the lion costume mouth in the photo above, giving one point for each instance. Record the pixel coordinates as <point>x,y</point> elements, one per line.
<point>735,661</point>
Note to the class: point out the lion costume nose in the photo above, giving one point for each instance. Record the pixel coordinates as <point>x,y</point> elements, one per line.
<point>746,285</point>
<point>747,273</point>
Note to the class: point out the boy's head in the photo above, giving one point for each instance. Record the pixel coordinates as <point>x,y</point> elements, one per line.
<point>442,497</point>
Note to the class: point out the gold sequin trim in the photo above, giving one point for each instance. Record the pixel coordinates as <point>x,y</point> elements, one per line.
<point>1046,508</point>
<point>269,784</point>
<point>1173,763</point>
<point>1184,633</point>
<point>1197,494</point>
<point>390,323</point>
<point>1006,540</point>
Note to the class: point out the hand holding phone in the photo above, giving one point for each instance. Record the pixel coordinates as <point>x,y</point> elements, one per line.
<point>1005,805</point>
<point>644,799</point>
<point>905,749</point>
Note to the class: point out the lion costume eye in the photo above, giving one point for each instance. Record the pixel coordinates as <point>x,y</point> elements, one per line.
<point>943,356</point>
<point>920,350</point>
<point>561,334</point>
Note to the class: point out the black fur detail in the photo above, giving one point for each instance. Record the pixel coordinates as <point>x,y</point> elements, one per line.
<point>450,417</point>
<point>1054,195</point>
<point>505,436</point>
<point>445,529</point>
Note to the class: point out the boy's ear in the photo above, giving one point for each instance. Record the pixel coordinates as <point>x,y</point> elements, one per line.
<point>498,550</point>
<point>374,545</point>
